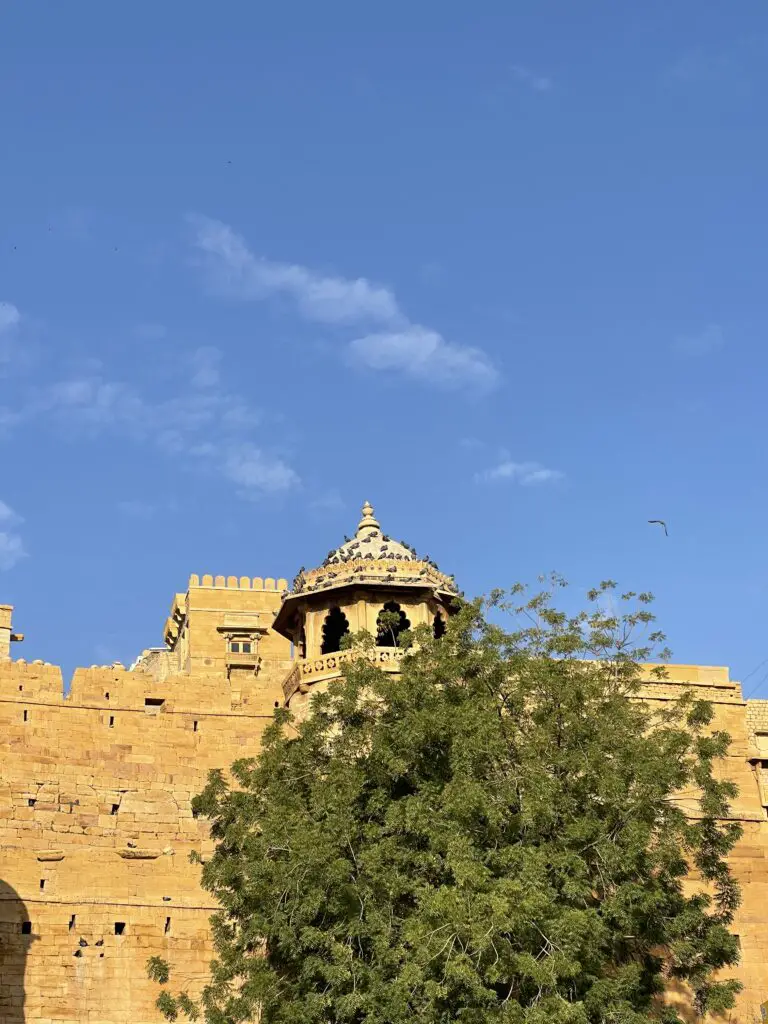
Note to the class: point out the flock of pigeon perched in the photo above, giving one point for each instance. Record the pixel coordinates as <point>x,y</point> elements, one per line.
<point>370,544</point>
<point>373,547</point>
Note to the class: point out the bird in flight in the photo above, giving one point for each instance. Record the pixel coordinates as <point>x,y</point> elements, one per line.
<point>661,523</point>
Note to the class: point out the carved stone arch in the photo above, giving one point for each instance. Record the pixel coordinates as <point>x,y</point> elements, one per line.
<point>335,627</point>
<point>388,629</point>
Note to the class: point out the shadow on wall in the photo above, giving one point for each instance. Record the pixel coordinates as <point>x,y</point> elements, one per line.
<point>15,939</point>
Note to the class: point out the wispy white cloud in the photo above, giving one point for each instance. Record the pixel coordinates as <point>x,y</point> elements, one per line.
<point>425,355</point>
<point>234,270</point>
<point>528,474</point>
<point>205,367</point>
<point>255,472</point>
<point>531,79</point>
<point>9,322</point>
<point>708,340</point>
<point>205,424</point>
<point>394,343</point>
<point>9,316</point>
<point>11,545</point>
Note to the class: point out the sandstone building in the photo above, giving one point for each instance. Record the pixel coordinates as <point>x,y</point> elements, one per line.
<point>96,824</point>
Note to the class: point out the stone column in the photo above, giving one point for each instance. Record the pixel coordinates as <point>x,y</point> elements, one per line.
<point>6,610</point>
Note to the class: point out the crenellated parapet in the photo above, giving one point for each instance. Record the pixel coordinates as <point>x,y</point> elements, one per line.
<point>34,680</point>
<point>238,582</point>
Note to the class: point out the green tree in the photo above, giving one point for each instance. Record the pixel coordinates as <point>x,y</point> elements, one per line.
<point>491,836</point>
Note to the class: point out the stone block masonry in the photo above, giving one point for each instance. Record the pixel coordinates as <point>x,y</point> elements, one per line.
<point>96,788</point>
<point>96,822</point>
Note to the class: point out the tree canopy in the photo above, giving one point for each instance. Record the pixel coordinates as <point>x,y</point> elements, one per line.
<point>490,837</point>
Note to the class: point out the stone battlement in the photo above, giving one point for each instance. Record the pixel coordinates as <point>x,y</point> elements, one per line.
<point>238,582</point>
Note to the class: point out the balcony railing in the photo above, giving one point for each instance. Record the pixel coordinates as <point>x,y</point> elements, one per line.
<point>239,660</point>
<point>327,666</point>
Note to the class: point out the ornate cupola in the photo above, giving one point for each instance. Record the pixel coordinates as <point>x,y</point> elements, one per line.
<point>369,583</point>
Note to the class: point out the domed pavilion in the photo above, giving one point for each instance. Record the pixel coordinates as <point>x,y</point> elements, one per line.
<point>358,582</point>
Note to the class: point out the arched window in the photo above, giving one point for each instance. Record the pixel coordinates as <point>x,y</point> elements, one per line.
<point>391,622</point>
<point>336,626</point>
<point>438,626</point>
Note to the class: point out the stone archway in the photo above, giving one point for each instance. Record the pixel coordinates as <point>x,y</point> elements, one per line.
<point>335,627</point>
<point>390,623</point>
<point>15,940</point>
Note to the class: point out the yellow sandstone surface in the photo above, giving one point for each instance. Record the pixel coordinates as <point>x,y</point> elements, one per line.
<point>96,824</point>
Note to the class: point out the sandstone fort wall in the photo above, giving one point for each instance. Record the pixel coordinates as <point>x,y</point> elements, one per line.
<point>96,823</point>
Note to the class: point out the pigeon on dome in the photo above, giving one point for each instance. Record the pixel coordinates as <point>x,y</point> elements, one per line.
<point>370,542</point>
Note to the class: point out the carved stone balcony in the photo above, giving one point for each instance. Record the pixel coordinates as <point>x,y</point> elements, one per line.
<point>246,661</point>
<point>308,671</point>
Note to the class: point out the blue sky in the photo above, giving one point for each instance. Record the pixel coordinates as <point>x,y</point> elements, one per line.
<point>497,268</point>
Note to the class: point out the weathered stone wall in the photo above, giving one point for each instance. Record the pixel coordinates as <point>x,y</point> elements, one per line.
<point>749,860</point>
<point>96,824</point>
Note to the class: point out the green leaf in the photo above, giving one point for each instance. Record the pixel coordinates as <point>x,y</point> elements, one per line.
<point>158,970</point>
<point>489,837</point>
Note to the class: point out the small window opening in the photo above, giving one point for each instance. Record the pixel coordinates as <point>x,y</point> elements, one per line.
<point>26,715</point>
<point>438,627</point>
<point>106,695</point>
<point>78,952</point>
<point>194,726</point>
<point>277,703</point>
<point>111,721</point>
<point>42,883</point>
<point>302,643</point>
<point>335,627</point>
<point>115,808</point>
<point>32,801</point>
<point>154,702</point>
<point>20,688</point>
<point>119,927</point>
<point>72,922</point>
<point>246,647</point>
<point>26,927</point>
<point>391,622</point>
<point>167,925</point>
<point>234,646</point>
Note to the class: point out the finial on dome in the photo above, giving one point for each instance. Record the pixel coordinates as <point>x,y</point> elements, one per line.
<point>368,524</point>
